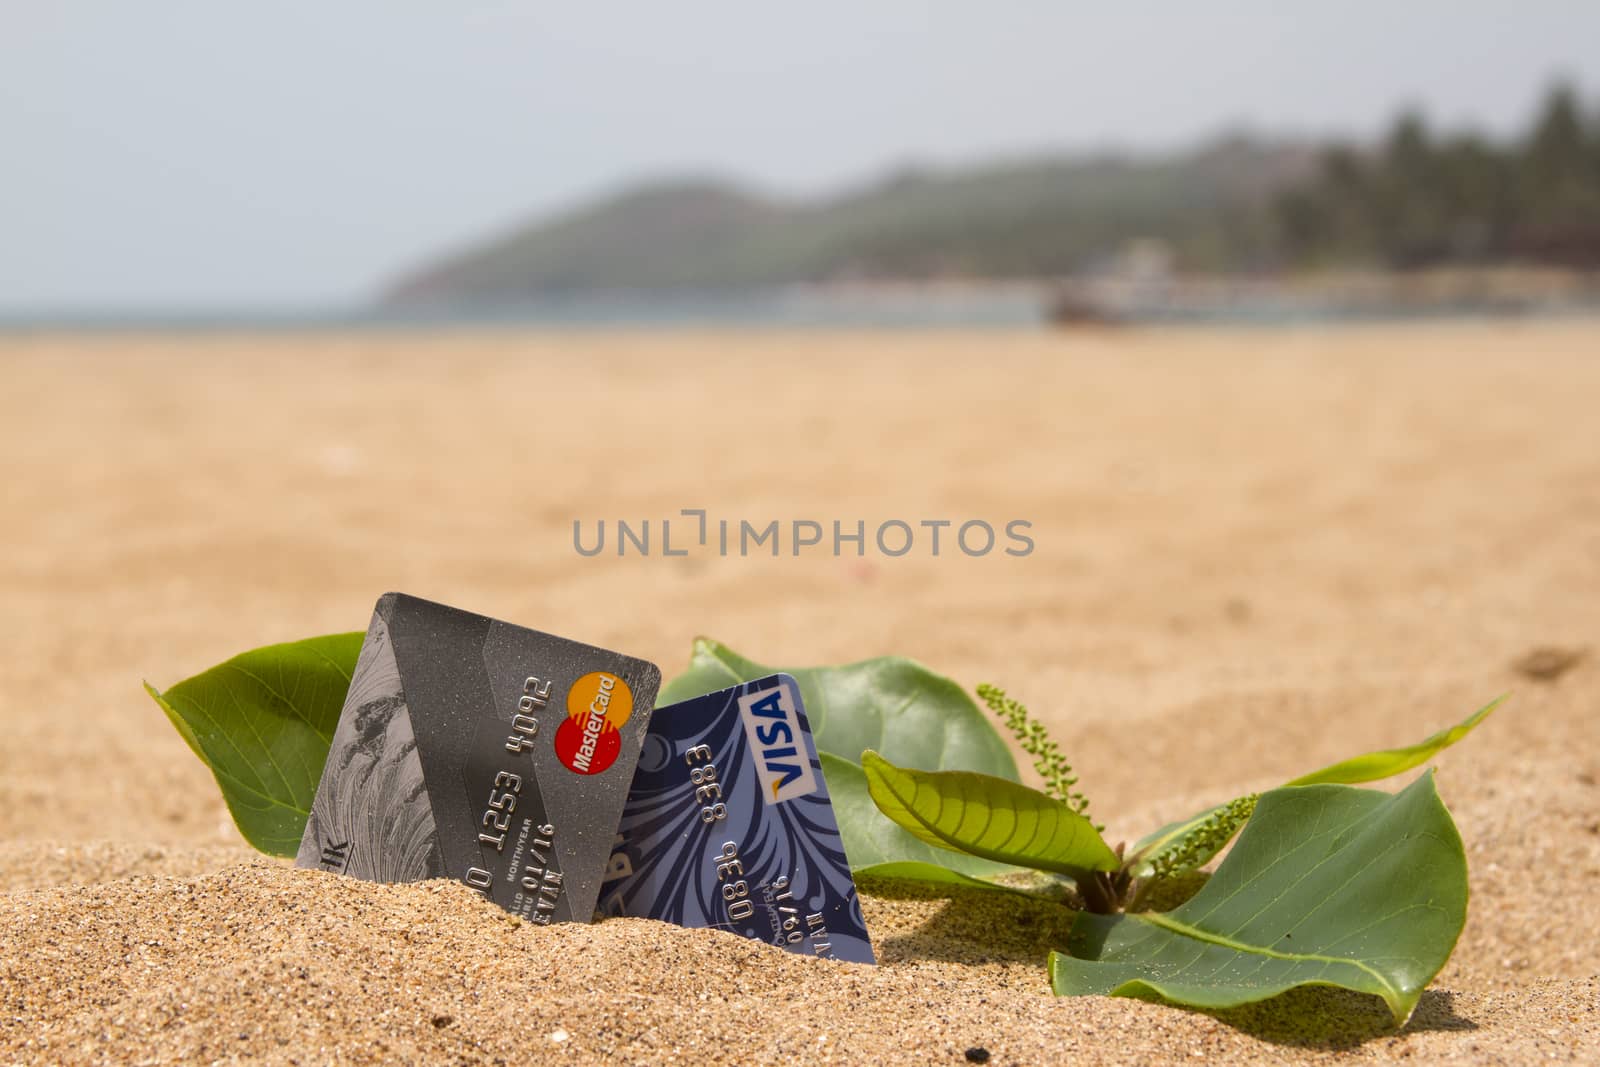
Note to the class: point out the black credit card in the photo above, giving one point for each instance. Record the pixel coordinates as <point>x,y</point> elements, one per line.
<point>477,750</point>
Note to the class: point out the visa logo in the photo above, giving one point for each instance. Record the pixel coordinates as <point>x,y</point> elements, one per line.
<point>783,760</point>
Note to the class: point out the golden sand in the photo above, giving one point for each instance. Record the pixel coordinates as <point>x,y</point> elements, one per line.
<point>1256,552</point>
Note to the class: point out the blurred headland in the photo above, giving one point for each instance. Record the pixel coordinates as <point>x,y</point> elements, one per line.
<point>1421,223</point>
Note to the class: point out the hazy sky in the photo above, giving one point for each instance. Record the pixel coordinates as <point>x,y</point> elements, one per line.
<point>163,155</point>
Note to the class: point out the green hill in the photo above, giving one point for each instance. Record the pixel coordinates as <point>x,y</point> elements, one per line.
<point>1416,199</point>
<point>1020,220</point>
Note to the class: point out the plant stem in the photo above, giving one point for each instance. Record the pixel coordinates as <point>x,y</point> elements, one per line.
<point>1101,892</point>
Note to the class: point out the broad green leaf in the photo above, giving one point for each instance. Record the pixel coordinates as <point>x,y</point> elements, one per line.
<point>988,817</point>
<point>1191,843</point>
<point>874,845</point>
<point>1373,766</point>
<point>1327,885</point>
<point>892,705</point>
<point>262,722</point>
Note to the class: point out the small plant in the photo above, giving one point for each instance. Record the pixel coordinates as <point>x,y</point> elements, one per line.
<point>1326,884</point>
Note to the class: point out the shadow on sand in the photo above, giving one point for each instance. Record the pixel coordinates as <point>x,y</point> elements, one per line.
<point>975,927</point>
<point>1329,1018</point>
<point>979,927</point>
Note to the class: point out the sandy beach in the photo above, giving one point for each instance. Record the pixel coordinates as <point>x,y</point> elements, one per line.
<point>1255,552</point>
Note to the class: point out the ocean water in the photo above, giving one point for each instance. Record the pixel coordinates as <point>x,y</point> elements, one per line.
<point>889,308</point>
<point>775,310</point>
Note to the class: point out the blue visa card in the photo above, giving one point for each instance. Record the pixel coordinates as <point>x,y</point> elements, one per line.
<point>728,825</point>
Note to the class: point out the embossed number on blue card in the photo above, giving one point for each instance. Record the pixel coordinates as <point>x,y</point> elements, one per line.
<point>728,825</point>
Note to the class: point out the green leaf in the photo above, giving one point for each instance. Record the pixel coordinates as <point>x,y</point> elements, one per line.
<point>874,845</point>
<point>891,704</point>
<point>1328,885</point>
<point>1191,843</point>
<point>262,722</point>
<point>988,817</point>
<point>1373,766</point>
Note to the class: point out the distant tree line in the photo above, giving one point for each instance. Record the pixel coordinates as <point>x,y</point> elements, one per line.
<point>1421,199</point>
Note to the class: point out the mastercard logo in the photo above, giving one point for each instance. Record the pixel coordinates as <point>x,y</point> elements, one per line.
<point>587,741</point>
